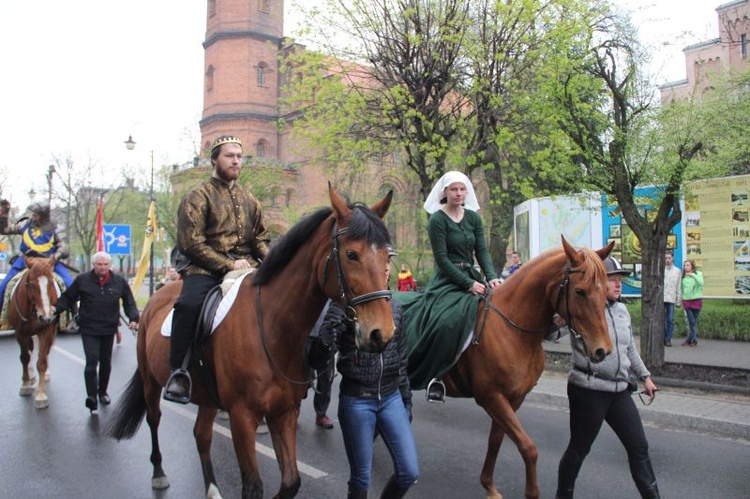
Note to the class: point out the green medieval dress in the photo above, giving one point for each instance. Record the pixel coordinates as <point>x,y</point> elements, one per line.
<point>439,321</point>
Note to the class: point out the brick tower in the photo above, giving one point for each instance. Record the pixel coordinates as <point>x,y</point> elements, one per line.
<point>241,79</point>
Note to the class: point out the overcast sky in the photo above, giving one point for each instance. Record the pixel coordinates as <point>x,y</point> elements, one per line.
<point>79,76</point>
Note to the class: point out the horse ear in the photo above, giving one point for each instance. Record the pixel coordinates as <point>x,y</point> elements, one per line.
<point>574,257</point>
<point>381,208</point>
<point>338,204</point>
<point>605,251</point>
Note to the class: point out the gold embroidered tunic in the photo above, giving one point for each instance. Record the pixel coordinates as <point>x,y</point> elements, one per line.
<point>218,223</point>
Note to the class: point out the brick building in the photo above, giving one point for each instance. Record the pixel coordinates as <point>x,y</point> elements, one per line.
<point>728,51</point>
<point>242,89</point>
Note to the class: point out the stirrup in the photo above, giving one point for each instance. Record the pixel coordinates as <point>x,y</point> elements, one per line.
<point>436,384</point>
<point>182,378</point>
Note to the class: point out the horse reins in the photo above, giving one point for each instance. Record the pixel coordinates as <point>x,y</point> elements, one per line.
<point>564,290</point>
<point>344,290</point>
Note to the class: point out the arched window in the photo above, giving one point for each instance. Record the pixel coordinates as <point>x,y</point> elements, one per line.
<point>264,6</point>
<point>210,78</point>
<point>262,70</point>
<point>260,149</point>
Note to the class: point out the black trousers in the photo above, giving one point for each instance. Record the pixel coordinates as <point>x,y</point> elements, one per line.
<point>590,408</point>
<point>186,311</point>
<point>98,351</point>
<point>323,384</point>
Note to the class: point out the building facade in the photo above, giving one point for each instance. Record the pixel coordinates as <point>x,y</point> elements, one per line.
<point>728,51</point>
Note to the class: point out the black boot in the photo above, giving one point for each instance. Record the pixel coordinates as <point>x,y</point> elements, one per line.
<point>353,493</point>
<point>179,387</point>
<point>392,490</point>
<point>644,478</point>
<point>567,472</point>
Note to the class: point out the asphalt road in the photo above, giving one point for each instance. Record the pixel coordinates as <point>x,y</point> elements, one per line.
<point>59,452</point>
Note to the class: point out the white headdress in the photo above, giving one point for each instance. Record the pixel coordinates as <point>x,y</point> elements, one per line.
<point>438,192</point>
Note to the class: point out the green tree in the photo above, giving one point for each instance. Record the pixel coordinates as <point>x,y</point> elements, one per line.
<point>622,141</point>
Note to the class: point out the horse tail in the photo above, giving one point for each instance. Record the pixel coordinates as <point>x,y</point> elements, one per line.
<point>129,411</point>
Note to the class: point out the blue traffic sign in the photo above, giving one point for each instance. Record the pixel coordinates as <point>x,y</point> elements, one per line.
<point>116,239</point>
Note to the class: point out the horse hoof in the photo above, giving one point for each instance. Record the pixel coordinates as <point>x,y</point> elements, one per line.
<point>25,391</point>
<point>213,492</point>
<point>41,403</point>
<point>160,483</point>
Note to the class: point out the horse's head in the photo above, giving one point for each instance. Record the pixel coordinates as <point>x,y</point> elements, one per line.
<point>584,293</point>
<point>355,272</point>
<point>40,288</point>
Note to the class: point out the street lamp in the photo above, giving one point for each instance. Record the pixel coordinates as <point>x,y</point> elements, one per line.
<point>50,172</point>
<point>130,145</point>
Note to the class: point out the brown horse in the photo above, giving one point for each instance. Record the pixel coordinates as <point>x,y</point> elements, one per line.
<point>506,359</point>
<point>32,313</point>
<point>257,352</point>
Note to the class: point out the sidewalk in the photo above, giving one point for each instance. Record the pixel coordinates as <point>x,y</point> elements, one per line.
<point>707,411</point>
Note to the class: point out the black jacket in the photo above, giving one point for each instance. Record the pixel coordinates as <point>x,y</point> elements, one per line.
<point>369,374</point>
<point>99,311</point>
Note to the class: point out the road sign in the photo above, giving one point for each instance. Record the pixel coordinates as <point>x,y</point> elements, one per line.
<point>116,239</point>
<point>3,256</point>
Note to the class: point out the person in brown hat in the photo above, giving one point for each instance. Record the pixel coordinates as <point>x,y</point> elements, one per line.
<point>602,392</point>
<point>219,228</point>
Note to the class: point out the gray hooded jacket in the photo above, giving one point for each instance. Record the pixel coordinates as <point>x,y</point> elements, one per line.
<point>610,375</point>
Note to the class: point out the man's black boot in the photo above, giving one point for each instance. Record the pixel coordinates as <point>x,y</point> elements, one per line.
<point>644,478</point>
<point>179,386</point>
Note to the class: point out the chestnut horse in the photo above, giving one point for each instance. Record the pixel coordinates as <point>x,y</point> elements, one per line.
<point>31,311</point>
<point>506,357</point>
<point>257,351</point>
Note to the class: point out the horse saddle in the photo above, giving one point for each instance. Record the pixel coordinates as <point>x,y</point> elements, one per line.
<point>215,307</point>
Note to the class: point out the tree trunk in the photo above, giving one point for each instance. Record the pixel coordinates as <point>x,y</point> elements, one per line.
<point>652,301</point>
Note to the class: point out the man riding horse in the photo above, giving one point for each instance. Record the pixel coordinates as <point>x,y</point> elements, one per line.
<point>39,237</point>
<point>219,229</point>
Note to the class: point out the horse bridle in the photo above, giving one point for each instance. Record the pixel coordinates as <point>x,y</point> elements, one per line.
<point>564,291</point>
<point>28,284</point>
<point>344,291</point>
<point>344,288</point>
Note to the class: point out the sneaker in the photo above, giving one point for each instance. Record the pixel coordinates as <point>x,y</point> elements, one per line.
<point>694,344</point>
<point>686,343</point>
<point>178,387</point>
<point>104,399</point>
<point>668,343</point>
<point>324,422</point>
<point>436,391</point>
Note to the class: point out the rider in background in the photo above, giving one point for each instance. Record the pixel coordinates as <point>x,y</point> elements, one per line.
<point>39,237</point>
<point>219,229</point>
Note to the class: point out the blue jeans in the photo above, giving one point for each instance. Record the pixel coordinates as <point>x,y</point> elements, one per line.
<point>359,417</point>
<point>692,317</point>
<point>668,321</point>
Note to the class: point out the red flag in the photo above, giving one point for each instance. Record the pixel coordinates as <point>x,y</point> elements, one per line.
<point>99,228</point>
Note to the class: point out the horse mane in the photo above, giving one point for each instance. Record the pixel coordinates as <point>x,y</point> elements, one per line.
<point>588,268</point>
<point>363,224</point>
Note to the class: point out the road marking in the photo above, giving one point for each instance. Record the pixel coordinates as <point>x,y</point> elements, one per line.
<point>306,469</point>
